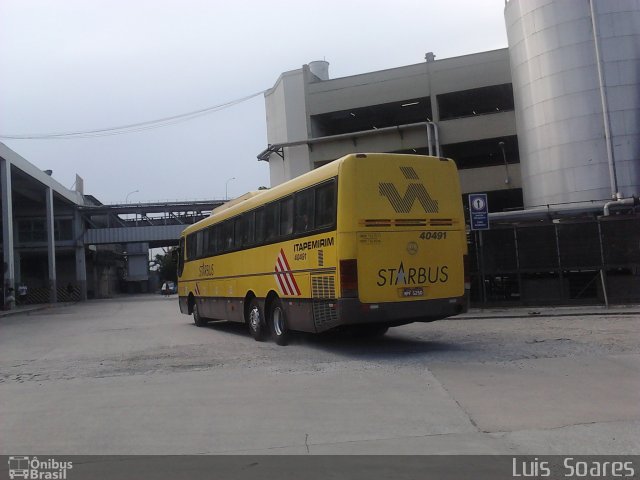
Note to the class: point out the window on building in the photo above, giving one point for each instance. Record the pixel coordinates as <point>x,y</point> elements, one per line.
<point>32,230</point>
<point>477,101</point>
<point>483,153</point>
<point>372,117</point>
<point>63,229</point>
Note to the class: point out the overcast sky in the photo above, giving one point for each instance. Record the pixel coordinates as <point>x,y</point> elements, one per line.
<point>77,65</point>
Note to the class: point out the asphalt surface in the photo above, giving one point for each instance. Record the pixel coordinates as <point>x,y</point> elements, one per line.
<point>133,376</point>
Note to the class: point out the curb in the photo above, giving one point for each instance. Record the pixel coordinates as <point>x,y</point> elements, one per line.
<point>537,314</point>
<point>27,310</point>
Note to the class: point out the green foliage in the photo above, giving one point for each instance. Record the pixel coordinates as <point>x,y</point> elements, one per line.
<point>168,265</point>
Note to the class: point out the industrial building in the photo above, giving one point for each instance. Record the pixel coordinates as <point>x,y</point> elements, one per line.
<point>551,119</point>
<point>463,106</point>
<point>59,244</point>
<point>548,128</point>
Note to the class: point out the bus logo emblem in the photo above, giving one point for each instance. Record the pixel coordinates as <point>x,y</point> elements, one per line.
<point>284,277</point>
<point>415,191</point>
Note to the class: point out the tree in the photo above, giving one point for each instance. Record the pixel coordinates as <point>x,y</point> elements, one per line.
<point>167,264</point>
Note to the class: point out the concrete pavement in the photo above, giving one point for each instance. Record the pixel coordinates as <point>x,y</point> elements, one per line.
<point>132,375</point>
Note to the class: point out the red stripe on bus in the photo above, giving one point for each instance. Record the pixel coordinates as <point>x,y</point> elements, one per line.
<point>290,275</point>
<point>287,276</point>
<point>279,280</point>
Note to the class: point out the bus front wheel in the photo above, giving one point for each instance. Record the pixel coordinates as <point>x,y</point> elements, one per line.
<point>257,325</point>
<point>278,323</point>
<point>198,319</point>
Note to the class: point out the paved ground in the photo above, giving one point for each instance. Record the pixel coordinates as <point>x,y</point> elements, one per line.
<point>132,375</point>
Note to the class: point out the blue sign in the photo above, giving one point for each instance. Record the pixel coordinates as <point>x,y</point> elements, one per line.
<point>479,211</point>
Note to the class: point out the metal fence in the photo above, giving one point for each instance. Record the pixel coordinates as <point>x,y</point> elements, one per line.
<point>576,261</point>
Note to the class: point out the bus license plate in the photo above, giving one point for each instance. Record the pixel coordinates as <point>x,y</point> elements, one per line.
<point>412,292</point>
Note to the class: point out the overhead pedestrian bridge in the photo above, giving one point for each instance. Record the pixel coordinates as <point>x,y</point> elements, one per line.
<point>158,224</point>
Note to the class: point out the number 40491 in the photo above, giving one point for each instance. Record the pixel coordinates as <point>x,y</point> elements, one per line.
<point>433,235</point>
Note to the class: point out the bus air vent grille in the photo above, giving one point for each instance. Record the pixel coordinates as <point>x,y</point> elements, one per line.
<point>323,290</point>
<point>323,286</point>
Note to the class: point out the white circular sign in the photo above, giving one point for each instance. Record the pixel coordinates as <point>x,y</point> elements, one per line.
<point>478,203</point>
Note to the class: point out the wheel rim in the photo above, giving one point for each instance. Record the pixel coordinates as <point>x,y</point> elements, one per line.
<point>254,319</point>
<point>278,321</point>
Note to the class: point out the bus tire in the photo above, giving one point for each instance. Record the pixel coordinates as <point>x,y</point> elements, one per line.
<point>278,323</point>
<point>255,319</point>
<point>198,319</point>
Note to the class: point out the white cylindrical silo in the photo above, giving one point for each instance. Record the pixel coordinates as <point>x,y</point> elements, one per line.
<point>558,93</point>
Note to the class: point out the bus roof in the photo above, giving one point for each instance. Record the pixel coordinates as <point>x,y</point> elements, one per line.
<point>255,199</point>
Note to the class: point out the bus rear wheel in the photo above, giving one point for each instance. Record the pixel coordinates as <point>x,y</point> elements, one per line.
<point>278,323</point>
<point>198,319</point>
<point>255,319</point>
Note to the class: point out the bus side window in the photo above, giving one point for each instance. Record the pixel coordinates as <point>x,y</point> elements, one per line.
<point>304,211</point>
<point>325,205</point>
<point>189,244</point>
<point>205,243</point>
<point>212,241</point>
<point>271,221</point>
<point>260,226</point>
<point>248,233</point>
<point>227,235</point>
<point>238,232</point>
<point>199,244</point>
<point>286,217</point>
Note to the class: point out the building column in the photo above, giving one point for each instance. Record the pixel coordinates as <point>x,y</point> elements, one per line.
<point>81,265</point>
<point>51,247</point>
<point>7,226</point>
<point>18,268</point>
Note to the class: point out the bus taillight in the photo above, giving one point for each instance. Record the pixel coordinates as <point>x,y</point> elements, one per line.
<point>349,278</point>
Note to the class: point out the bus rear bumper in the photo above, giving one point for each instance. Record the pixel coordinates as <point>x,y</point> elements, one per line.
<point>353,312</point>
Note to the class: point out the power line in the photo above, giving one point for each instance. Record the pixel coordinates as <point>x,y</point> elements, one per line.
<point>132,127</point>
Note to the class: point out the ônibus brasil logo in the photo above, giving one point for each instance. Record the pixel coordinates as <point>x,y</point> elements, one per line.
<point>36,469</point>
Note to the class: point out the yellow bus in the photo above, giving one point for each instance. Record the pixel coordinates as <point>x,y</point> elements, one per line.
<point>369,240</point>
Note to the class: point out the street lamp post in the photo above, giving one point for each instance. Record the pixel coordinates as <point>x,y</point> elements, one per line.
<point>226,190</point>
<point>126,200</point>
